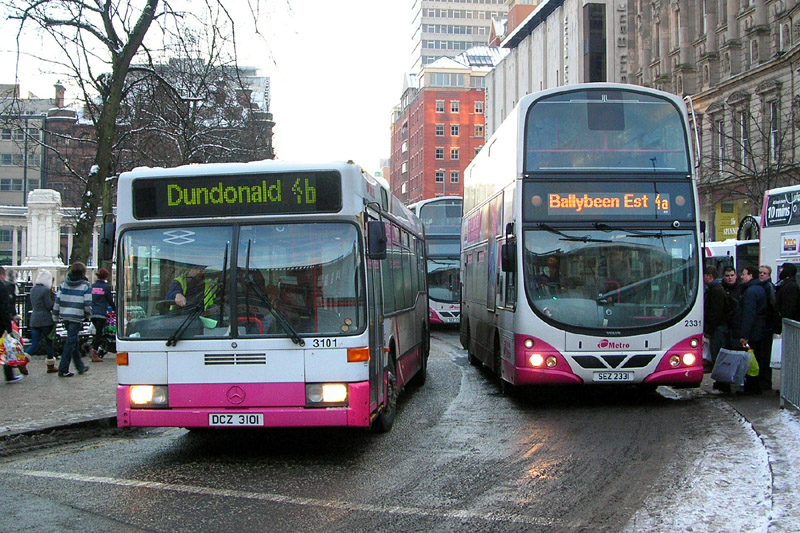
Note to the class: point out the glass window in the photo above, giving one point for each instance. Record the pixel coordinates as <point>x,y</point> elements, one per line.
<point>613,279</point>
<point>454,130</point>
<point>455,106</point>
<point>605,130</point>
<point>183,283</point>
<point>454,154</point>
<point>439,152</point>
<point>440,130</point>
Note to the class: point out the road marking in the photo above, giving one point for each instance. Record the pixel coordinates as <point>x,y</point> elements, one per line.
<point>290,500</point>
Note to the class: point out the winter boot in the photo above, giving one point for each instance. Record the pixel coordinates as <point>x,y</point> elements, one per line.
<point>93,354</point>
<point>51,366</point>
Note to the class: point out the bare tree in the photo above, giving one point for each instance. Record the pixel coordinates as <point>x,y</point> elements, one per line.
<point>100,43</point>
<point>751,154</point>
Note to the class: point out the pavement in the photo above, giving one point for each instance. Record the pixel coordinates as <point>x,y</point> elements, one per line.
<point>42,402</point>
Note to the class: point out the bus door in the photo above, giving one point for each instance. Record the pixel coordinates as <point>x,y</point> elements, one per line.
<point>375,321</point>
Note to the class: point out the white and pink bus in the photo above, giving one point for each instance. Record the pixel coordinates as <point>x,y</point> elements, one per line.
<point>441,218</point>
<point>303,296</point>
<point>581,262</point>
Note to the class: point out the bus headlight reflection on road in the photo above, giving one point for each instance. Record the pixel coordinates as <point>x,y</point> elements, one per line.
<point>149,396</point>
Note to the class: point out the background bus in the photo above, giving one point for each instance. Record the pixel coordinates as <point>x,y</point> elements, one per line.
<point>311,309</point>
<point>580,242</point>
<point>732,252</point>
<point>441,218</point>
<point>780,228</point>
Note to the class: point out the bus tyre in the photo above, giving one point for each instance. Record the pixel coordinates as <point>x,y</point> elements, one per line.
<point>422,374</point>
<point>474,361</point>
<point>385,420</point>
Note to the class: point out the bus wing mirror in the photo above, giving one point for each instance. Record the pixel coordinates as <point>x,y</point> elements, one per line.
<point>107,237</point>
<point>508,256</point>
<point>376,240</point>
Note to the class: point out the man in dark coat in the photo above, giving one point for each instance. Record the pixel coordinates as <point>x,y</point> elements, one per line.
<point>750,326</point>
<point>715,315</point>
<point>787,295</point>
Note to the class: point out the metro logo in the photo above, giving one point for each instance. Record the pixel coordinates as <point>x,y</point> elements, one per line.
<point>606,344</point>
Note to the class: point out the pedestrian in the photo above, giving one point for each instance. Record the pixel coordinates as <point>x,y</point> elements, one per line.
<point>749,323</point>
<point>9,278</point>
<point>5,322</point>
<point>716,311</point>
<point>73,305</point>
<point>787,293</point>
<point>41,321</point>
<point>102,301</point>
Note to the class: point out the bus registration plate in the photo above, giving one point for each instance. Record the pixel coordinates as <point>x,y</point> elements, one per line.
<point>610,377</point>
<point>235,419</point>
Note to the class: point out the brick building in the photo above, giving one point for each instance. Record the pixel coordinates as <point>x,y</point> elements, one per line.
<point>439,125</point>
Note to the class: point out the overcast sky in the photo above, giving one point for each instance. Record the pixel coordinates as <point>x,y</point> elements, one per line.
<point>336,70</point>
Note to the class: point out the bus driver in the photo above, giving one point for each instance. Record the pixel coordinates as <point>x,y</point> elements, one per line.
<point>191,287</point>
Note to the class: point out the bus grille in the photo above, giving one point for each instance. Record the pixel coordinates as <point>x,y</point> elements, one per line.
<point>235,359</point>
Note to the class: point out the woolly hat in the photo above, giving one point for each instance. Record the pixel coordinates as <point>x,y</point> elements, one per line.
<point>102,273</point>
<point>44,277</point>
<point>788,270</point>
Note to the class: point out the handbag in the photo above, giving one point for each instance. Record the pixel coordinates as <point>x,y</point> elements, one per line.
<point>777,350</point>
<point>753,368</point>
<point>731,367</point>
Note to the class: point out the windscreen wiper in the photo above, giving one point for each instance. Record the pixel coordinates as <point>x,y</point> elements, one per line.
<point>631,233</point>
<point>279,317</point>
<point>195,310</point>
<point>565,237</point>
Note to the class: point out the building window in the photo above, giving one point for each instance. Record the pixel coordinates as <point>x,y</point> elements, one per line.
<point>719,143</point>
<point>478,130</point>
<point>440,176</point>
<point>440,106</point>
<point>774,125</point>
<point>478,108</point>
<point>455,106</point>
<point>744,138</point>
<point>6,134</point>
<point>454,130</point>
<point>440,130</point>
<point>439,153</point>
<point>8,184</point>
<point>454,154</point>
<point>478,149</point>
<point>454,176</point>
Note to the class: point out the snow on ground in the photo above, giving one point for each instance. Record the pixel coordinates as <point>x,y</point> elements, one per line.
<point>742,479</point>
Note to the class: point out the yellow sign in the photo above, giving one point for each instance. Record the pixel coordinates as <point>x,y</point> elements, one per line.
<point>727,220</point>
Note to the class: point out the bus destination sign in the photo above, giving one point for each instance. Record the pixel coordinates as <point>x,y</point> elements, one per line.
<point>571,200</point>
<point>590,204</point>
<point>238,194</point>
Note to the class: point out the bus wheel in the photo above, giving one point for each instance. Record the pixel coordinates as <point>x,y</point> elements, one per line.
<point>473,360</point>
<point>422,374</point>
<point>385,420</point>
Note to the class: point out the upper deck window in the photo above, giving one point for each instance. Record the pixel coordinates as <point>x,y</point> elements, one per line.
<point>605,130</point>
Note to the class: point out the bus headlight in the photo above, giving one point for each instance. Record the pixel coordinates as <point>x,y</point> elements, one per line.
<point>536,360</point>
<point>674,360</point>
<point>689,359</point>
<point>326,394</point>
<point>149,396</point>
<point>694,343</point>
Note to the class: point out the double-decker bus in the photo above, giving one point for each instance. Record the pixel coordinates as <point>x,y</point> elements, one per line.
<point>441,218</point>
<point>580,242</point>
<point>309,305</point>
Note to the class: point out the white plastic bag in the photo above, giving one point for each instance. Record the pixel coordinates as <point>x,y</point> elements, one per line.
<point>777,350</point>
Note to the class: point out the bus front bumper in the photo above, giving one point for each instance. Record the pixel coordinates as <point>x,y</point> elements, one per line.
<point>211,410</point>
